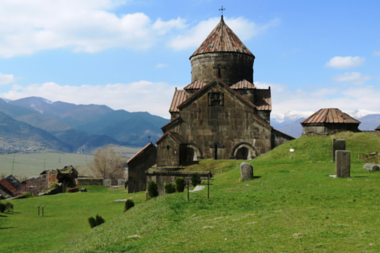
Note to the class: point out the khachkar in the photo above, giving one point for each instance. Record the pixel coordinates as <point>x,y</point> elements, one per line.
<point>220,114</point>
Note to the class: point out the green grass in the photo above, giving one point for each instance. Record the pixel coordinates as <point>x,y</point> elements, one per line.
<point>292,205</point>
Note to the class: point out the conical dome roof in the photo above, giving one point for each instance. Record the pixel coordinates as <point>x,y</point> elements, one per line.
<point>222,39</point>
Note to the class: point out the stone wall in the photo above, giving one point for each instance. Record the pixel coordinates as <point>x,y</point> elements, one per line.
<point>279,138</point>
<point>168,151</point>
<point>137,166</point>
<point>328,128</point>
<point>229,67</point>
<point>221,129</point>
<point>89,181</point>
<point>164,177</point>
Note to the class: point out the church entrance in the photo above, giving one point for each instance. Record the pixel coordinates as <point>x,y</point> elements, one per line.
<point>216,151</point>
<point>190,155</point>
<point>242,153</point>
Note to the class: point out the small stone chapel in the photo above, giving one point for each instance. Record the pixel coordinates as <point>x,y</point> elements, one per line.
<point>221,114</point>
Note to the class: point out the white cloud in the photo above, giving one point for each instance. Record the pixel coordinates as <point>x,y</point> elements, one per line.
<point>340,62</point>
<point>160,66</point>
<point>310,100</point>
<point>352,77</point>
<point>154,98</point>
<point>242,27</point>
<point>376,53</point>
<point>83,26</point>
<point>6,79</point>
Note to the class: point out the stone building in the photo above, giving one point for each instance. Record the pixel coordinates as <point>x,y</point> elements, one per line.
<point>329,121</point>
<point>50,177</point>
<point>138,164</point>
<point>378,128</point>
<point>221,114</point>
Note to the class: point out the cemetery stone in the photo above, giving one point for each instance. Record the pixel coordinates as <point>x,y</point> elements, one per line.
<point>342,163</point>
<point>371,167</point>
<point>120,182</point>
<point>107,182</point>
<point>338,144</point>
<point>246,171</point>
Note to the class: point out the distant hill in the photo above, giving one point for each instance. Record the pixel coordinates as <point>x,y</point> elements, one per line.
<point>24,136</point>
<point>369,122</point>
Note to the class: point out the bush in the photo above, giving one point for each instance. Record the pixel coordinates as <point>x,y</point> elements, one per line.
<point>9,207</point>
<point>170,188</point>
<point>92,222</point>
<point>195,179</point>
<point>99,220</point>
<point>27,194</point>
<point>129,204</point>
<point>2,208</point>
<point>75,189</point>
<point>53,186</point>
<point>180,184</point>
<point>153,189</point>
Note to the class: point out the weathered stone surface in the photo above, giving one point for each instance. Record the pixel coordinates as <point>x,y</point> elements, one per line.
<point>107,182</point>
<point>338,144</point>
<point>246,171</point>
<point>342,163</point>
<point>371,167</point>
<point>121,182</point>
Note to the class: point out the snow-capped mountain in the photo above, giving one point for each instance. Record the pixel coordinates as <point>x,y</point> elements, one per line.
<point>289,116</point>
<point>360,113</point>
<point>6,100</point>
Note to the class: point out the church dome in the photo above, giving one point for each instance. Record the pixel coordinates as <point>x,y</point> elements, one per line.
<point>222,55</point>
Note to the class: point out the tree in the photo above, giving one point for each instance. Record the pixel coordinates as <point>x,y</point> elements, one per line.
<point>108,164</point>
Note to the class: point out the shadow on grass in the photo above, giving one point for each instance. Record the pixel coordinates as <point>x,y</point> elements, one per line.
<point>3,216</point>
<point>13,213</point>
<point>7,227</point>
<point>256,176</point>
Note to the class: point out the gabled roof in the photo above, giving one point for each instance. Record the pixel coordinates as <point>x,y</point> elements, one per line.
<point>178,98</point>
<point>330,115</point>
<point>222,39</point>
<point>149,145</point>
<point>174,121</point>
<point>243,85</point>
<point>176,137</point>
<point>7,185</point>
<point>263,99</point>
<point>200,92</point>
<point>195,85</point>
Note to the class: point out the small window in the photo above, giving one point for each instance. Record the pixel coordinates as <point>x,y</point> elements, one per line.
<point>216,99</point>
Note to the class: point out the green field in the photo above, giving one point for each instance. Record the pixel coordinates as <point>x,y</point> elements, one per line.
<point>292,205</point>
<point>34,163</point>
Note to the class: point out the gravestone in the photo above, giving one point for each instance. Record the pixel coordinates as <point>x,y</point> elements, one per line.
<point>342,163</point>
<point>107,182</point>
<point>338,144</point>
<point>83,190</point>
<point>246,171</point>
<point>371,167</point>
<point>121,182</point>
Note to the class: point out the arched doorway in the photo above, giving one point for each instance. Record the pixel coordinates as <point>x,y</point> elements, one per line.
<point>190,154</point>
<point>242,153</point>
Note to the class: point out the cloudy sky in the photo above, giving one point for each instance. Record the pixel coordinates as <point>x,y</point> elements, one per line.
<point>131,54</point>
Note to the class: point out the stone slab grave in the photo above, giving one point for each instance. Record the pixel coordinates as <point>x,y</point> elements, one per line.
<point>107,182</point>
<point>338,144</point>
<point>246,171</point>
<point>342,163</point>
<point>197,188</point>
<point>371,167</point>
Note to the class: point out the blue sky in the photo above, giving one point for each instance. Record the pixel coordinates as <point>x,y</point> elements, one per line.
<point>132,54</point>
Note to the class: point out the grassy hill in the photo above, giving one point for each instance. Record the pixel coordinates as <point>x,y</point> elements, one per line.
<point>291,205</point>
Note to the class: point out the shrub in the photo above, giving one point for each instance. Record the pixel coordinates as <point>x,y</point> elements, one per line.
<point>99,220</point>
<point>180,184</point>
<point>75,189</point>
<point>92,222</point>
<point>129,204</point>
<point>27,194</point>
<point>170,188</point>
<point>195,179</point>
<point>9,207</point>
<point>53,186</point>
<point>153,189</point>
<point>2,208</point>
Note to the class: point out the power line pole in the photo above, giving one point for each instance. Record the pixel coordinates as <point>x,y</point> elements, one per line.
<point>13,164</point>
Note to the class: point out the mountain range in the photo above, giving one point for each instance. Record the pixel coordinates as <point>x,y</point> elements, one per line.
<point>74,128</point>
<point>289,122</point>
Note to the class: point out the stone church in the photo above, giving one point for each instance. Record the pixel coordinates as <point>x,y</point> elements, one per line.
<point>219,115</point>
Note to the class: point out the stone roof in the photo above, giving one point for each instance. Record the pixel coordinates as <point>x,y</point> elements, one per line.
<point>195,85</point>
<point>222,39</point>
<point>330,115</point>
<point>178,98</point>
<point>176,137</point>
<point>141,151</point>
<point>243,85</point>
<point>7,185</point>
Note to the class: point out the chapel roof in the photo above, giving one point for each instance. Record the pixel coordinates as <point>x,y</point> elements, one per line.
<point>176,137</point>
<point>195,85</point>
<point>7,185</point>
<point>243,85</point>
<point>178,98</point>
<point>141,151</point>
<point>263,99</point>
<point>222,39</point>
<point>330,115</point>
